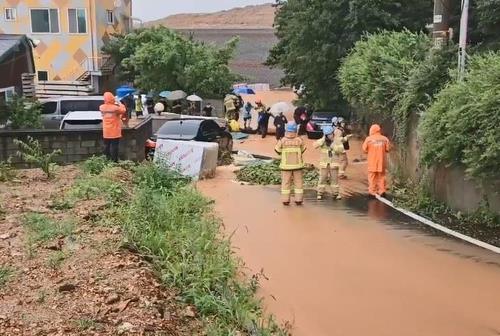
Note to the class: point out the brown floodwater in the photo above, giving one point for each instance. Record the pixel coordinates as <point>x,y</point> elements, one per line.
<point>357,267</point>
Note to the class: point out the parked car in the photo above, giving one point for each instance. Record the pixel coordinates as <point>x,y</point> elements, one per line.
<point>192,129</point>
<point>83,120</point>
<point>54,109</point>
<point>319,120</point>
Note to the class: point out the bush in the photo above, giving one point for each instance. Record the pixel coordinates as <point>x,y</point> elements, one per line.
<point>461,126</point>
<point>32,152</point>
<point>21,112</point>
<point>96,165</point>
<point>376,72</point>
<point>171,223</point>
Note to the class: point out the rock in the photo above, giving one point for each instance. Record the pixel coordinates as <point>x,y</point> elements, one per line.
<point>67,288</point>
<point>189,312</point>
<point>112,299</point>
<point>7,236</point>
<point>124,328</point>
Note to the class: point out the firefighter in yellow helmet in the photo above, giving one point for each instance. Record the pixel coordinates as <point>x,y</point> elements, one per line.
<point>291,149</point>
<point>332,147</point>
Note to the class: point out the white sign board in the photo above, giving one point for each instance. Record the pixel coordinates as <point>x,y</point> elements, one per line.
<point>184,156</point>
<point>438,18</point>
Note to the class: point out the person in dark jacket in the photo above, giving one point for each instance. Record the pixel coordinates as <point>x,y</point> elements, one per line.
<point>280,122</point>
<point>264,115</point>
<point>301,119</point>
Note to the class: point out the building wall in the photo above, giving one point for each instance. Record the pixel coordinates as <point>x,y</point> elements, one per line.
<point>63,54</point>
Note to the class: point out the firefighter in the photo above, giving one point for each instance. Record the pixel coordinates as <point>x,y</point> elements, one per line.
<point>332,147</point>
<point>291,148</point>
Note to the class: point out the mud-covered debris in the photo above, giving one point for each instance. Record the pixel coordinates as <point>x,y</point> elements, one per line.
<point>125,328</point>
<point>68,287</point>
<point>189,312</point>
<point>112,299</point>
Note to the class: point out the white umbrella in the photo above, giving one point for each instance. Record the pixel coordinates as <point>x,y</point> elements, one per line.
<point>194,98</point>
<point>281,107</point>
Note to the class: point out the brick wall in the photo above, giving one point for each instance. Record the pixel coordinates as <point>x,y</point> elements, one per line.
<point>77,145</point>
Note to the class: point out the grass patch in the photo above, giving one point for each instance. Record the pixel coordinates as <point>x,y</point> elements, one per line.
<point>95,187</point>
<point>86,324</point>
<point>41,228</point>
<point>5,274</point>
<point>56,259</point>
<point>270,174</point>
<point>172,224</point>
<point>7,171</point>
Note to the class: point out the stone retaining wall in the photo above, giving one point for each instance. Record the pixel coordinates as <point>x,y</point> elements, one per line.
<point>77,145</point>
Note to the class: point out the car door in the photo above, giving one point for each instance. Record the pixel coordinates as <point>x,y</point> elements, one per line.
<point>51,119</point>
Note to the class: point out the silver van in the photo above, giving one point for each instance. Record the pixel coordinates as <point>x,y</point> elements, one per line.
<point>54,109</point>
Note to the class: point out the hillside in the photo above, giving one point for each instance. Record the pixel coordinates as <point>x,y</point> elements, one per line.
<point>250,17</point>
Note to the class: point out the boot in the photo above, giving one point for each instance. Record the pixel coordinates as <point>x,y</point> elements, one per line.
<point>320,197</point>
<point>338,197</point>
<point>286,203</point>
<point>299,203</point>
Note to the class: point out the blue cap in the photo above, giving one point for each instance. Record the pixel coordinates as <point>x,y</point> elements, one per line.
<point>328,130</point>
<point>291,127</point>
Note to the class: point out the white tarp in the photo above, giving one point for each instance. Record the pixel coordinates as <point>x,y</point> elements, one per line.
<point>190,158</point>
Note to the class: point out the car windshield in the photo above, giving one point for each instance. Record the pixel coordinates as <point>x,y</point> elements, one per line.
<point>82,124</point>
<point>179,129</point>
<point>80,105</point>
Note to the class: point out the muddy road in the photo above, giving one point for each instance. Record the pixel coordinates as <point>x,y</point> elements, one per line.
<point>356,267</point>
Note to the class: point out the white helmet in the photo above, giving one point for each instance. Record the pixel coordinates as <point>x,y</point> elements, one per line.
<point>159,107</point>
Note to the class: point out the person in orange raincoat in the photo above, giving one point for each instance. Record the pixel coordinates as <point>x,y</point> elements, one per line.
<point>377,146</point>
<point>112,113</point>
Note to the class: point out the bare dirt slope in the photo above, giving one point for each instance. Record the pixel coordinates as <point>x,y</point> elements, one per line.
<point>250,17</point>
<point>62,279</point>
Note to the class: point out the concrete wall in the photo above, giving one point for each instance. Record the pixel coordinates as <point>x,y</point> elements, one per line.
<point>449,184</point>
<point>77,145</point>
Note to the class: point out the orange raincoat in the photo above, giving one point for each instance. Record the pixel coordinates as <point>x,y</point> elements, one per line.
<point>377,146</point>
<point>111,117</point>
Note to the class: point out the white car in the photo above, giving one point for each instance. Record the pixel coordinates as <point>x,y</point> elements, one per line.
<point>82,120</point>
<point>55,109</point>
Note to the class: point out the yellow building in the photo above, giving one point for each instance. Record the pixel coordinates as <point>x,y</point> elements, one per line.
<point>68,34</point>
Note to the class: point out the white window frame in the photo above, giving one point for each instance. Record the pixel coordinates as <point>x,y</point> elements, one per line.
<point>108,21</point>
<point>38,77</point>
<point>13,13</point>
<point>76,18</point>
<point>50,23</point>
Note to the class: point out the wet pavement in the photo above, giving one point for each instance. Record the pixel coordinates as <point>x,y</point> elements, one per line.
<point>357,267</point>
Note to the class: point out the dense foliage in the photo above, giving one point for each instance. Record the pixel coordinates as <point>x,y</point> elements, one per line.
<point>21,113</point>
<point>462,124</point>
<point>425,81</point>
<point>160,59</point>
<point>375,74</point>
<point>314,35</point>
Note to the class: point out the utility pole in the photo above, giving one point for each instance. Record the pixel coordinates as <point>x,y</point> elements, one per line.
<point>441,22</point>
<point>462,47</point>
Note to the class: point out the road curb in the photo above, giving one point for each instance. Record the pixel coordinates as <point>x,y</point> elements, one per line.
<point>441,228</point>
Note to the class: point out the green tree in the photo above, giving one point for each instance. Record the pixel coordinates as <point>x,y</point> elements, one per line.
<point>21,113</point>
<point>374,75</point>
<point>159,58</point>
<point>314,36</point>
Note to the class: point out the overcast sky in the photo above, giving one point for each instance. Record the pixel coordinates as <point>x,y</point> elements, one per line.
<point>157,9</point>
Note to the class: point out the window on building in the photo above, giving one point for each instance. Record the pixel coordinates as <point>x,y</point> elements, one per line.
<point>10,14</point>
<point>110,17</point>
<point>43,75</point>
<point>45,21</point>
<point>77,21</point>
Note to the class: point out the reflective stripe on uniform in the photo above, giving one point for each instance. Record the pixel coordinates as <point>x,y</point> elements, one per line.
<point>286,192</point>
<point>299,191</point>
<point>284,158</point>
